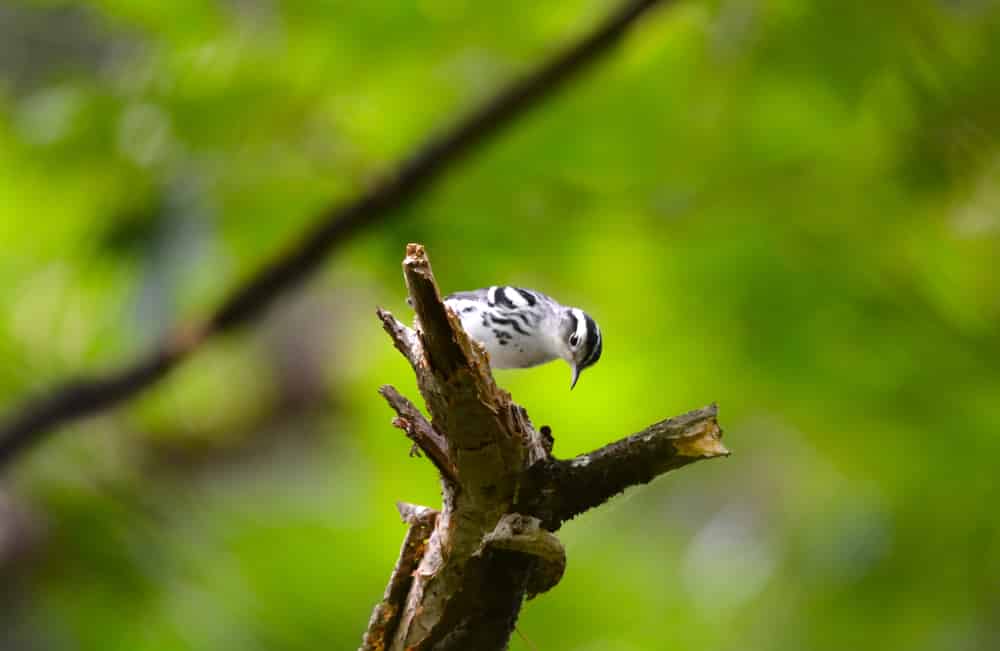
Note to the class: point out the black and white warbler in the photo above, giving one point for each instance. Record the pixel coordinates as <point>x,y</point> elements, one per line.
<point>521,328</point>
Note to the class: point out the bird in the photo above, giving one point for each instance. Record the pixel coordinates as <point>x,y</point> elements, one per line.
<point>521,328</point>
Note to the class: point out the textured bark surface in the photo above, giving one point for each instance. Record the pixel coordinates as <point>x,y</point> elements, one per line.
<point>503,493</point>
<point>385,617</point>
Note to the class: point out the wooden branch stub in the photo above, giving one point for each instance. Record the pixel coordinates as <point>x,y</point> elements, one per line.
<point>386,615</point>
<point>420,431</point>
<point>437,330</point>
<point>403,338</point>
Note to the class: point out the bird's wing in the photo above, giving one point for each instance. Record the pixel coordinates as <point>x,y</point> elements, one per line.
<point>474,295</point>
<point>509,298</point>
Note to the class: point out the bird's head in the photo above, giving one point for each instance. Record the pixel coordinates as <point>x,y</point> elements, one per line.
<point>579,341</point>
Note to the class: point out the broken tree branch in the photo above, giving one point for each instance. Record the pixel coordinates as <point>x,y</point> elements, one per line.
<point>385,618</point>
<point>573,486</point>
<point>422,433</point>
<point>86,396</point>
<point>504,495</point>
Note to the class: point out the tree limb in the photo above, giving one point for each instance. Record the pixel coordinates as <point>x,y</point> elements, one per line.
<point>405,339</point>
<point>565,488</point>
<point>86,396</point>
<point>503,495</point>
<point>422,433</point>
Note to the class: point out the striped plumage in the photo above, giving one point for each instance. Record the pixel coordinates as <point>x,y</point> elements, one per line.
<point>521,328</point>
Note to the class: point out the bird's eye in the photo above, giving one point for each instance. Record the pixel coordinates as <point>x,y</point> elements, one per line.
<point>574,340</point>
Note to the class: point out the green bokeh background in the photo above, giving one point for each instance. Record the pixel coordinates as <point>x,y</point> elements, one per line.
<point>791,208</point>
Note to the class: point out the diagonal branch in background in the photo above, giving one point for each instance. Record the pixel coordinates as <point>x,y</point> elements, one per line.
<point>504,496</point>
<point>87,396</point>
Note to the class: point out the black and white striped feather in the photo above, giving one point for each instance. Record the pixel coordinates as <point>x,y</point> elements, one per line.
<point>521,328</point>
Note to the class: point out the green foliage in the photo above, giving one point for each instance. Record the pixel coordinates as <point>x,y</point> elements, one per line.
<point>791,208</point>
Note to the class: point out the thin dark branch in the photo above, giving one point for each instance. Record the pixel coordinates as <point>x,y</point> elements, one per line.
<point>589,480</point>
<point>406,341</point>
<point>420,431</point>
<point>403,338</point>
<point>87,396</point>
<point>429,161</point>
<point>83,397</point>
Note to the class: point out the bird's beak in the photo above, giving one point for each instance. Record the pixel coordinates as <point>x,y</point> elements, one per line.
<point>576,376</point>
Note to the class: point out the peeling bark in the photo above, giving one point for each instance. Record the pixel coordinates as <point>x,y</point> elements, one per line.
<point>504,495</point>
<point>385,618</point>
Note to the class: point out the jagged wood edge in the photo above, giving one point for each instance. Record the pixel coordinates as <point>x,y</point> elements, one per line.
<point>385,616</point>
